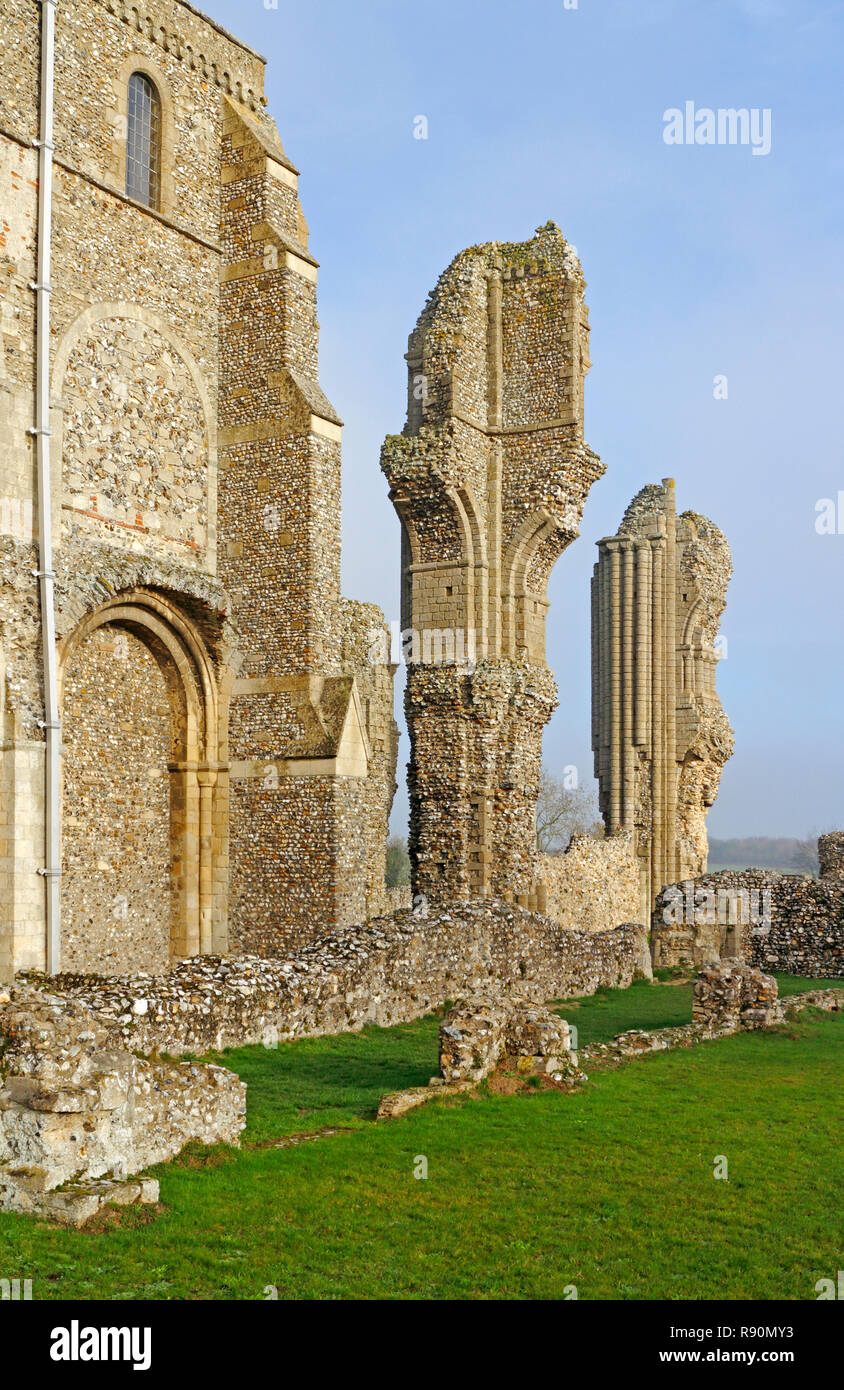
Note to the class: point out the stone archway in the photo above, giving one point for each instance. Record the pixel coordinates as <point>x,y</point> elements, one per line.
<point>145,794</point>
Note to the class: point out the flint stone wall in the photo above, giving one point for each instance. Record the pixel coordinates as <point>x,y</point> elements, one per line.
<point>831,854</point>
<point>398,899</point>
<point>197,460</point>
<point>732,995</point>
<point>387,971</point>
<point>805,935</point>
<point>594,882</point>
<point>77,1105</point>
<point>478,1033</point>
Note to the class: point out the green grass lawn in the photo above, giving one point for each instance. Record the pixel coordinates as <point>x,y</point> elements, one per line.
<point>796,984</point>
<point>610,1189</point>
<point>602,1015</point>
<point>664,1004</point>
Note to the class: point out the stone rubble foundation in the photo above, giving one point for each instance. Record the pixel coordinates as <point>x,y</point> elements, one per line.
<point>483,1033</point>
<point>729,997</point>
<point>86,1102</point>
<point>733,995</point>
<point>479,1033</point>
<point>80,1114</point>
<point>387,971</point>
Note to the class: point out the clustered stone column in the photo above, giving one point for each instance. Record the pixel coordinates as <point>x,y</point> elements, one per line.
<point>489,479</point>
<point>659,734</point>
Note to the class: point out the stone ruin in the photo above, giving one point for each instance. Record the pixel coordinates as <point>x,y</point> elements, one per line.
<point>728,997</point>
<point>659,733</point>
<point>87,1102</point>
<point>489,479</point>
<point>80,1113</point>
<point>776,921</point>
<point>732,995</point>
<point>388,971</point>
<point>482,1034</point>
<point>227,745</point>
<point>227,740</point>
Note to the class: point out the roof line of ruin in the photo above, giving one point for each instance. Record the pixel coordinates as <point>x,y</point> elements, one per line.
<point>200,14</point>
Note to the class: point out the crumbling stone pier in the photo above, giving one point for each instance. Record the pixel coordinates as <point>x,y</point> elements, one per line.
<point>489,479</point>
<point>659,733</point>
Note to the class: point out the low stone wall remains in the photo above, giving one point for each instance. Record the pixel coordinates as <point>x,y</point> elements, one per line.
<point>785,922</point>
<point>387,971</point>
<point>478,1033</point>
<point>77,1106</point>
<point>85,1101</point>
<point>482,1033</point>
<point>729,997</point>
<point>732,995</point>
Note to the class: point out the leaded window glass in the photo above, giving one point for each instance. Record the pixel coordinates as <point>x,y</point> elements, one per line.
<point>143,141</point>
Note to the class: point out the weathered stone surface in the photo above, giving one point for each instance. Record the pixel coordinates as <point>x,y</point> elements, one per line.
<point>386,971</point>
<point>659,734</point>
<point>593,885</point>
<point>831,855</point>
<point>481,1033</point>
<point>76,1105</point>
<point>489,479</point>
<point>229,740</point>
<point>717,1017</point>
<point>397,1103</point>
<point>76,1202</point>
<point>732,995</point>
<point>784,922</point>
<point>538,1040</point>
<point>471,1038</point>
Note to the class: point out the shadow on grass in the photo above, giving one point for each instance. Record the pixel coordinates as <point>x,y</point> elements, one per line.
<point>339,1080</point>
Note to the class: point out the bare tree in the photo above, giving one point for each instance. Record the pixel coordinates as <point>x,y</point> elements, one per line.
<point>563,811</point>
<point>804,857</point>
<point>398,862</point>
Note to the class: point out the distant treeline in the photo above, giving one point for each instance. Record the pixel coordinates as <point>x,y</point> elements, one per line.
<point>762,852</point>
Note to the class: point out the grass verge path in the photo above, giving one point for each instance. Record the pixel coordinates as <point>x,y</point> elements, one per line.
<point>610,1189</point>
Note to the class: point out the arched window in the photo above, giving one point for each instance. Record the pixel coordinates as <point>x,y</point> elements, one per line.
<point>143,141</point>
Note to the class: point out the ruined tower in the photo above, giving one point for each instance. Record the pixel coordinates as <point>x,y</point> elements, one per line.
<point>197,754</point>
<point>489,479</point>
<point>659,733</point>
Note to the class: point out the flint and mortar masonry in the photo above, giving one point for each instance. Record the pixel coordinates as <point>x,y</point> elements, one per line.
<point>390,970</point>
<point>76,1106</point>
<point>227,780</point>
<point>784,922</point>
<point>489,479</point>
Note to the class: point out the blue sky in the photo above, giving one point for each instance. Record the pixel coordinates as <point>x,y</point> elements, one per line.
<point>701,260</point>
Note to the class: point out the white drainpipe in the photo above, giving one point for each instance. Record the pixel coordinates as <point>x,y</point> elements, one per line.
<point>44,573</point>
